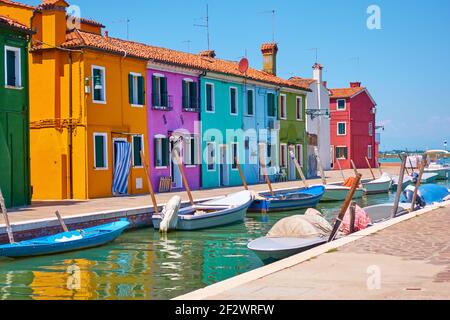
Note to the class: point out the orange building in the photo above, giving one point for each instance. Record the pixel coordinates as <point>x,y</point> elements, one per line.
<point>87,106</point>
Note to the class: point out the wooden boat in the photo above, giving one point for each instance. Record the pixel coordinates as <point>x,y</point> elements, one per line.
<point>66,241</point>
<point>339,193</point>
<point>380,185</point>
<point>288,200</point>
<point>214,213</point>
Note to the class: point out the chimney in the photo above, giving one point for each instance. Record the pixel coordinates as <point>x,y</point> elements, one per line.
<point>355,84</point>
<point>325,83</point>
<point>106,34</point>
<point>54,22</point>
<point>208,54</point>
<point>317,73</point>
<point>269,51</point>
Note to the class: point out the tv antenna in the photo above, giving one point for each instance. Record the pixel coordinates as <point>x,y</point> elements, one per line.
<point>188,42</point>
<point>127,21</point>
<point>205,25</point>
<point>273,12</point>
<point>316,50</point>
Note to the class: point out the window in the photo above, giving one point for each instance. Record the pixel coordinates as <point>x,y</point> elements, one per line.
<point>210,105</point>
<point>369,152</point>
<point>341,153</point>
<point>161,152</point>
<point>270,160</point>
<point>283,155</point>
<point>234,155</point>
<point>136,89</point>
<point>13,76</point>
<point>299,108</point>
<point>299,151</point>
<point>341,128</point>
<point>189,151</point>
<point>341,104</point>
<point>250,102</point>
<point>160,99</point>
<point>100,151</point>
<point>99,84</point>
<point>271,105</point>
<point>138,146</point>
<point>189,94</point>
<point>370,129</point>
<point>283,106</point>
<point>233,101</point>
<point>211,160</point>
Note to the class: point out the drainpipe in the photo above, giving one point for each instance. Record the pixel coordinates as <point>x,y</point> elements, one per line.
<point>202,75</point>
<point>70,128</point>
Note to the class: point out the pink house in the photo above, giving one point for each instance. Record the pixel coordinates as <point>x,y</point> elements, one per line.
<point>353,124</point>
<point>173,118</point>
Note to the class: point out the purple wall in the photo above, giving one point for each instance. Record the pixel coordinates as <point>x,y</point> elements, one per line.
<point>164,122</point>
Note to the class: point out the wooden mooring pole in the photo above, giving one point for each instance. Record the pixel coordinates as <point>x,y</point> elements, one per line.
<point>186,184</point>
<point>241,173</point>
<point>340,169</point>
<point>419,181</point>
<point>150,186</point>
<point>299,169</point>
<point>319,163</point>
<point>61,221</point>
<point>399,186</point>
<point>5,216</point>
<point>370,168</point>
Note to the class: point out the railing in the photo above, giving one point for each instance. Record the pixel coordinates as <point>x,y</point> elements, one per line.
<point>161,102</point>
<point>190,104</point>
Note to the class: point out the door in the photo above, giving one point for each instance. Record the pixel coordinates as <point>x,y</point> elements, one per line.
<point>175,144</point>
<point>292,168</point>
<point>122,165</point>
<point>223,167</point>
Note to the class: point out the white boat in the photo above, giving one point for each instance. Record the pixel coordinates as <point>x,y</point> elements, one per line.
<point>428,177</point>
<point>380,185</point>
<point>214,213</point>
<point>383,212</point>
<point>339,193</point>
<point>407,180</point>
<point>441,171</point>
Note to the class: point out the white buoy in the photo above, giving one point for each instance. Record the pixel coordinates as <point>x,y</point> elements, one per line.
<point>169,215</point>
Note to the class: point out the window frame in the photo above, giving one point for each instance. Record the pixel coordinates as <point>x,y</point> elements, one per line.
<point>369,154</point>
<point>159,137</point>
<point>234,166</point>
<point>336,153</point>
<point>142,148</point>
<point>18,67</point>
<point>274,107</point>
<point>105,150</point>
<point>103,69</point>
<point>253,103</point>
<point>337,104</point>
<point>136,76</point>
<point>299,152</point>
<point>193,156</point>
<point>345,127</point>
<point>236,99</point>
<point>283,155</point>
<point>297,99</point>
<point>283,106</point>
<point>370,129</point>
<point>213,96</point>
<point>215,156</point>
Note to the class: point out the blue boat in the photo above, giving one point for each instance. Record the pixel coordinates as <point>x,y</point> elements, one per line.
<point>66,241</point>
<point>428,194</point>
<point>288,200</point>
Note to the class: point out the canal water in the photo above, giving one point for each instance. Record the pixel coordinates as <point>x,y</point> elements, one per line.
<point>143,265</point>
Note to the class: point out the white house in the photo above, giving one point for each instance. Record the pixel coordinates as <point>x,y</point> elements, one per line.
<point>317,120</point>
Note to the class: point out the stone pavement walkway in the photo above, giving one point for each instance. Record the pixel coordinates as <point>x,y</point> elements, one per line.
<point>46,209</point>
<point>408,260</point>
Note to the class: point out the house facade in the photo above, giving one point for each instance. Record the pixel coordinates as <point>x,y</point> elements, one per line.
<point>87,107</point>
<point>14,113</point>
<point>173,122</point>
<point>353,121</point>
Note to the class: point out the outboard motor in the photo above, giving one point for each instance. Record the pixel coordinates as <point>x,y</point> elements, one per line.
<point>409,194</point>
<point>415,177</point>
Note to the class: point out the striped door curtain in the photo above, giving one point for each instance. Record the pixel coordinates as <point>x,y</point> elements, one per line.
<point>122,164</point>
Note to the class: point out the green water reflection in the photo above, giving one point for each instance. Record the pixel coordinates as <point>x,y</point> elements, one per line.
<point>142,265</point>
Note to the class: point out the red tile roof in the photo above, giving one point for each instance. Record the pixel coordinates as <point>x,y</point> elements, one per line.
<point>13,24</point>
<point>82,39</point>
<point>14,3</point>
<point>302,81</point>
<point>344,93</point>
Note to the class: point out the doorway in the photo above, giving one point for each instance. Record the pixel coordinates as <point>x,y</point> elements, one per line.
<point>292,168</point>
<point>121,166</point>
<point>175,173</point>
<point>223,166</point>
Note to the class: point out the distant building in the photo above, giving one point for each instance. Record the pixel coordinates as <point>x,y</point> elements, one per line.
<point>353,124</point>
<point>14,112</point>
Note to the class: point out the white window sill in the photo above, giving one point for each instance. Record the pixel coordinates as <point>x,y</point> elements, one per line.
<point>137,105</point>
<point>191,166</point>
<point>138,167</point>
<point>210,111</point>
<point>13,88</point>
<point>98,102</point>
<point>101,169</point>
<point>161,168</point>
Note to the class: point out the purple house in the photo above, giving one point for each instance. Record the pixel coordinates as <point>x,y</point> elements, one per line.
<point>173,124</point>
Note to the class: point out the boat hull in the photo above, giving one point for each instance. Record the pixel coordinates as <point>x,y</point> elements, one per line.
<point>46,246</point>
<point>377,188</point>
<point>429,177</point>
<point>442,173</point>
<point>340,194</point>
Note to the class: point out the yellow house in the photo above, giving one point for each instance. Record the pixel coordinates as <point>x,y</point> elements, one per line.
<point>87,106</point>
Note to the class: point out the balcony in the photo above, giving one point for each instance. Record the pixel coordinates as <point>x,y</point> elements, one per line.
<point>190,104</point>
<point>161,102</point>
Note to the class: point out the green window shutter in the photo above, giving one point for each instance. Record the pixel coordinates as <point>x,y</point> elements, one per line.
<point>11,68</point>
<point>165,152</point>
<point>137,147</point>
<point>270,105</point>
<point>164,92</point>
<point>184,97</point>
<point>154,93</point>
<point>155,152</point>
<point>99,152</point>
<point>97,92</point>
<point>131,88</point>
<point>193,95</point>
<point>209,105</point>
<point>193,150</point>
<point>250,102</point>
<point>141,90</point>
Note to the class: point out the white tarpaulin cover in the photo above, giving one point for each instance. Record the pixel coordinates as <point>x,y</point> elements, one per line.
<point>312,224</point>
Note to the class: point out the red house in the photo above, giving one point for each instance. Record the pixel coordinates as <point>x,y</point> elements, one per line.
<point>353,116</point>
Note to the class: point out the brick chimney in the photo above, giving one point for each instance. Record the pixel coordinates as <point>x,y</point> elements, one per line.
<point>355,84</point>
<point>208,54</point>
<point>269,52</point>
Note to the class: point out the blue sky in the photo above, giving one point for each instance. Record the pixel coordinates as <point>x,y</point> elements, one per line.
<point>405,65</point>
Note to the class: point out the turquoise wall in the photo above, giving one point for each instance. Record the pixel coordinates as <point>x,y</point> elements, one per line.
<point>214,129</point>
